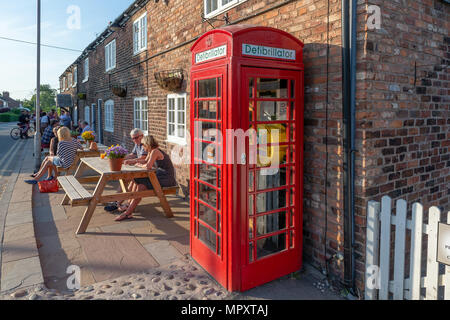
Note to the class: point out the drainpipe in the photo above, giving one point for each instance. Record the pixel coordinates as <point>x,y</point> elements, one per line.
<point>349,23</point>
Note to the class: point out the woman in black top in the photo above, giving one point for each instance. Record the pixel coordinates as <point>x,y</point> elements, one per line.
<point>53,150</point>
<point>165,173</point>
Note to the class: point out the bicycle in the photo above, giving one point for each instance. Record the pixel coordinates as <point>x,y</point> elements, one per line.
<point>20,130</point>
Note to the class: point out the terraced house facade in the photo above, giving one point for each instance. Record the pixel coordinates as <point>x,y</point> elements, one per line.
<point>376,101</point>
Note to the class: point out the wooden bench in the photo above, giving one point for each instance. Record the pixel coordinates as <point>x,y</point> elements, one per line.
<point>72,168</point>
<point>76,194</point>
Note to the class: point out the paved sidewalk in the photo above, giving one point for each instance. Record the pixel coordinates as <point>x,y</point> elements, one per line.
<point>20,264</point>
<point>146,257</point>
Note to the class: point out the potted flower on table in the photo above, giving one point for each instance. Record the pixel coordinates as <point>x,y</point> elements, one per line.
<point>116,155</point>
<point>89,137</point>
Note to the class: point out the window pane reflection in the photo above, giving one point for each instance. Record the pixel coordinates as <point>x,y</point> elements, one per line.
<point>267,179</point>
<point>272,155</point>
<point>270,223</point>
<point>270,245</point>
<point>207,109</point>
<point>208,174</point>
<point>272,110</point>
<point>272,88</point>
<point>207,215</point>
<point>207,88</point>
<point>270,200</point>
<point>207,237</point>
<point>271,133</point>
<point>207,131</point>
<point>207,194</point>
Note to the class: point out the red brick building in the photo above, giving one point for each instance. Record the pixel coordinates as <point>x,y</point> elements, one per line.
<point>7,102</point>
<point>395,122</point>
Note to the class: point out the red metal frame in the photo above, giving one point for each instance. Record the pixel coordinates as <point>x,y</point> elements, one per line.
<point>231,266</point>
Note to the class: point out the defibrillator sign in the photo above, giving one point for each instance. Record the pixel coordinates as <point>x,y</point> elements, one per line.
<point>211,54</point>
<point>267,52</point>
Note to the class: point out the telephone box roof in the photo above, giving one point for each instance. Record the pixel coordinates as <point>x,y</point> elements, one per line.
<point>238,29</point>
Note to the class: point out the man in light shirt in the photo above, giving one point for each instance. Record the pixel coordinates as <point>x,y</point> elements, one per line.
<point>138,154</point>
<point>85,127</point>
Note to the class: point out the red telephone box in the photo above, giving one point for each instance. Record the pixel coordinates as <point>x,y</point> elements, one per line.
<point>246,121</point>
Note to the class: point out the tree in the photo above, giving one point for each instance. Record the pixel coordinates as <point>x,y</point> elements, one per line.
<point>47,101</point>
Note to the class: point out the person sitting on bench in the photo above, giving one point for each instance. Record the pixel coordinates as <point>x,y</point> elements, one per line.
<point>65,156</point>
<point>165,173</point>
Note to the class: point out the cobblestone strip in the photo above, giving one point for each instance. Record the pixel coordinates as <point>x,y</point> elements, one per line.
<point>181,280</point>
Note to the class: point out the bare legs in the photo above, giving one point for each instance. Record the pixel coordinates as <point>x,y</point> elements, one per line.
<point>47,165</point>
<point>134,202</point>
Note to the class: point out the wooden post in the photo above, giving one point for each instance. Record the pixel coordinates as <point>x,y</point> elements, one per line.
<point>92,204</point>
<point>447,272</point>
<point>373,229</point>
<point>160,194</point>
<point>416,251</point>
<point>431,281</point>
<point>123,186</point>
<point>385,247</point>
<point>399,255</point>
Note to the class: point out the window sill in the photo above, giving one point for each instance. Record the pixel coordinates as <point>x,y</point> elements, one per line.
<point>109,130</point>
<point>223,10</point>
<point>110,69</point>
<point>176,140</point>
<point>85,80</point>
<point>139,52</point>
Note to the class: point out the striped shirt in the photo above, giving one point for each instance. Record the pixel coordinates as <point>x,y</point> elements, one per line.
<point>67,151</point>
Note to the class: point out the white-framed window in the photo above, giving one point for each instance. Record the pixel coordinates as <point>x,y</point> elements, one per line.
<point>176,118</point>
<point>69,80</point>
<point>215,7</point>
<point>86,70</point>
<point>110,55</point>
<point>109,116</point>
<point>75,76</point>
<point>87,114</point>
<point>63,84</point>
<point>141,113</point>
<point>140,34</point>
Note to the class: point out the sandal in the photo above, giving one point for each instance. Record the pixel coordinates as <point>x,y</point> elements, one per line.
<point>123,216</point>
<point>123,207</point>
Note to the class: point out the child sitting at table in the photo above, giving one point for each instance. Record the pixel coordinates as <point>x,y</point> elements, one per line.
<point>165,173</point>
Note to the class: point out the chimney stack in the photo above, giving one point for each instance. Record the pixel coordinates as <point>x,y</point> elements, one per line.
<point>5,94</point>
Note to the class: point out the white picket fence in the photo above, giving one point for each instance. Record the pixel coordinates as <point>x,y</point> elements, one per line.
<point>378,250</point>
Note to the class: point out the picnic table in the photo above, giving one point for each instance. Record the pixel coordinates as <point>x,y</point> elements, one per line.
<point>77,195</point>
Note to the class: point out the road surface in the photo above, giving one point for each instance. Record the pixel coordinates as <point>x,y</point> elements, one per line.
<point>9,149</point>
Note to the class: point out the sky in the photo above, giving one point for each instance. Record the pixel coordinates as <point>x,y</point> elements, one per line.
<point>60,26</point>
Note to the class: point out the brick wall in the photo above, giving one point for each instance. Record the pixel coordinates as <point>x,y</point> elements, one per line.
<point>403,123</point>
